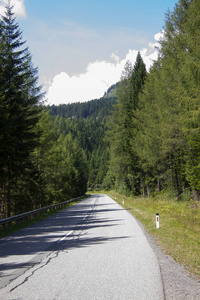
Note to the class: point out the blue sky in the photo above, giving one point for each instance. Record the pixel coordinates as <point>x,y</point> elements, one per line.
<point>81,46</point>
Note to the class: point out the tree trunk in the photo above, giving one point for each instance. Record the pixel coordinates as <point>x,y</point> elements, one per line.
<point>196,195</point>
<point>143,186</point>
<point>148,191</point>
<point>158,185</point>
<point>8,200</point>
<point>176,183</point>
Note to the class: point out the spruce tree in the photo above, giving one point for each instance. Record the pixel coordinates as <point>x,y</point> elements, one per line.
<point>124,161</point>
<point>19,101</point>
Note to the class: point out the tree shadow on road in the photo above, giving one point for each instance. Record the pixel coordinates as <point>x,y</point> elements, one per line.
<point>64,231</point>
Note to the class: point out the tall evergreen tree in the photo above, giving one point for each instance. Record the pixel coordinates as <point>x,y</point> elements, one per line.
<point>124,161</point>
<point>168,140</point>
<point>19,99</point>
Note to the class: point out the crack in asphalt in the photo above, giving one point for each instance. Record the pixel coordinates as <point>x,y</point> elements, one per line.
<point>61,243</point>
<point>28,277</point>
<point>47,262</point>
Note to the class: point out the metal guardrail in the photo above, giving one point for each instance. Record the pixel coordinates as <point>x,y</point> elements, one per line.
<point>26,215</point>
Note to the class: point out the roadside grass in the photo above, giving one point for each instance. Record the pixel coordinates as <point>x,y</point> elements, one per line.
<point>179,232</point>
<point>14,227</point>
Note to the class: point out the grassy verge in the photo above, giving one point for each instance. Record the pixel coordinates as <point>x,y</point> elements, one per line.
<point>13,227</point>
<point>179,232</point>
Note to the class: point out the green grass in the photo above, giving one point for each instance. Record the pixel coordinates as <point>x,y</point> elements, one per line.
<point>14,227</point>
<point>179,232</point>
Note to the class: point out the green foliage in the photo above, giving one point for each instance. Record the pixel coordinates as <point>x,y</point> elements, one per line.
<point>41,159</point>
<point>61,162</point>
<point>19,99</point>
<point>155,129</point>
<point>168,139</point>
<point>150,143</point>
<point>143,136</point>
<point>123,158</point>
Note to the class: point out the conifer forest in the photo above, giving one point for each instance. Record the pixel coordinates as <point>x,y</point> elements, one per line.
<point>141,138</point>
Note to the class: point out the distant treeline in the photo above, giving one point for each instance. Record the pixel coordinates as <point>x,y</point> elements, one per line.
<point>98,108</point>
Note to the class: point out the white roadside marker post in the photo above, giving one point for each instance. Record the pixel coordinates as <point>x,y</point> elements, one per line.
<point>157,221</point>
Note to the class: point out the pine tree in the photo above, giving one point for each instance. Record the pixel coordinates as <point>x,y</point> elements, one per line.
<point>124,161</point>
<point>19,99</point>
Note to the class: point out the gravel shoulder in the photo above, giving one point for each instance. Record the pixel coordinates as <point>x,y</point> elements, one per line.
<point>178,284</point>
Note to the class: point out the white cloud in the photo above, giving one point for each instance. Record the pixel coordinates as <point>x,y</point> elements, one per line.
<point>160,35</point>
<point>99,76</point>
<point>19,7</point>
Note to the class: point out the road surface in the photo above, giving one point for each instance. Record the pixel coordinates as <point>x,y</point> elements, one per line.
<point>92,250</point>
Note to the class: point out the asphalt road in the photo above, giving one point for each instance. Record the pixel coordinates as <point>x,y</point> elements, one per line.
<point>92,250</point>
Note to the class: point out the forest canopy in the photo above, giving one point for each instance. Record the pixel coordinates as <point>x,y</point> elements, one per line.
<point>142,137</point>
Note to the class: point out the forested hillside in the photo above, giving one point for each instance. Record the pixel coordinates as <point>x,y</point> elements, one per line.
<point>98,108</point>
<point>142,137</point>
<point>155,131</point>
<point>88,122</point>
